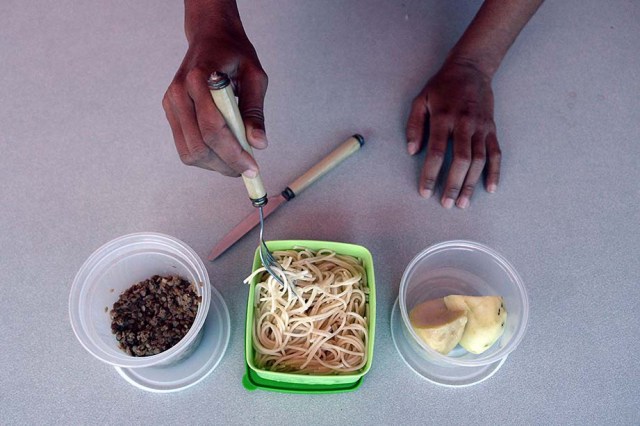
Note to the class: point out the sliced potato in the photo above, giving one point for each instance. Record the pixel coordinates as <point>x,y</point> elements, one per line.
<point>486,317</point>
<point>439,327</point>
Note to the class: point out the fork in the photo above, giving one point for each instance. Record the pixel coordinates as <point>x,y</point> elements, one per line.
<point>225,100</point>
<point>269,262</point>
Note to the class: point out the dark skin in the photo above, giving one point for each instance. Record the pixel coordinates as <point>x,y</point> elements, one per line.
<point>457,102</point>
<point>217,42</point>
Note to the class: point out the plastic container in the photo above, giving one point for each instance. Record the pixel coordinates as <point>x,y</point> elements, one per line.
<point>308,383</point>
<point>115,267</point>
<point>466,268</point>
<point>251,381</point>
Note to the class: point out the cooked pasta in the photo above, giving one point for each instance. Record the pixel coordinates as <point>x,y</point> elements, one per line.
<point>323,327</point>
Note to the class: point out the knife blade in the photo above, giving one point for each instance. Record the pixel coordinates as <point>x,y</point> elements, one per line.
<point>321,168</point>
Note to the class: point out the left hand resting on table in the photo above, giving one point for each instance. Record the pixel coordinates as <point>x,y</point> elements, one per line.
<point>458,102</point>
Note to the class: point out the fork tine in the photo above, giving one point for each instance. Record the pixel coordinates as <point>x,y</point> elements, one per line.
<point>269,262</point>
<point>270,257</point>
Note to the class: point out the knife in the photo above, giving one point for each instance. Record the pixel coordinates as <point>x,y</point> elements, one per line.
<point>334,158</point>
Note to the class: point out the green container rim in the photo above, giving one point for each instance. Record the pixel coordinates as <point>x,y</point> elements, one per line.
<point>291,382</point>
<point>252,382</point>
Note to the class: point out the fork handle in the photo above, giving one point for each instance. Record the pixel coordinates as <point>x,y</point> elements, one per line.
<point>225,100</point>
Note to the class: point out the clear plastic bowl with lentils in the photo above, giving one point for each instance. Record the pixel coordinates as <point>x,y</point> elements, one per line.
<point>123,263</point>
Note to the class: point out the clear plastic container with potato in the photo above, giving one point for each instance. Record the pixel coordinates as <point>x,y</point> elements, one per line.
<point>461,309</point>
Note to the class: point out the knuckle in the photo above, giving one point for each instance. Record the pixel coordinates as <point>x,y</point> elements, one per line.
<point>466,124</point>
<point>253,113</point>
<point>187,159</point>
<point>174,92</point>
<point>442,115</point>
<point>496,155</point>
<point>221,167</point>
<point>195,77</point>
<point>479,159</point>
<point>231,155</point>
<point>166,103</point>
<point>452,192</point>
<point>216,134</point>
<point>417,102</point>
<point>467,189</point>
<point>493,177</point>
<point>262,76</point>
<point>429,183</point>
<point>199,155</point>
<point>436,153</point>
<point>235,161</point>
<point>462,159</point>
<point>210,132</point>
<point>478,155</point>
<point>256,74</point>
<point>195,157</point>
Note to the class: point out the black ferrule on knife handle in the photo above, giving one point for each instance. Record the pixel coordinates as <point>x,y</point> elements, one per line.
<point>359,138</point>
<point>288,193</point>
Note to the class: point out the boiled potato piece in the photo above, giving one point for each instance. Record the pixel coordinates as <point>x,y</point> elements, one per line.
<point>486,316</point>
<point>439,327</point>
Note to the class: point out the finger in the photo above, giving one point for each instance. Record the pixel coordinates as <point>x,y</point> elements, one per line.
<point>416,124</point>
<point>215,134</point>
<point>459,165</point>
<point>211,162</point>
<point>176,130</point>
<point>494,157</point>
<point>252,89</point>
<point>436,148</point>
<point>478,160</point>
<point>202,157</point>
<point>183,111</point>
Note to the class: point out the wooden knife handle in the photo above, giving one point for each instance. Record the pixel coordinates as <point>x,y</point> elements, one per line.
<point>225,100</point>
<point>334,158</point>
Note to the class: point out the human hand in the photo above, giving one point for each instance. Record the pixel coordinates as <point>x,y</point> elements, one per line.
<point>217,42</point>
<point>458,102</point>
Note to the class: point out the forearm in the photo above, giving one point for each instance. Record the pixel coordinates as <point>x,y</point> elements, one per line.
<point>203,17</point>
<point>491,33</point>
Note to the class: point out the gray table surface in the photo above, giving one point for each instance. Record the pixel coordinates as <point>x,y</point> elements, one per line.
<point>86,155</point>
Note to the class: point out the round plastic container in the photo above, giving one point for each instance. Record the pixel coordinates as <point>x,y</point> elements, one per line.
<point>465,268</point>
<point>115,267</point>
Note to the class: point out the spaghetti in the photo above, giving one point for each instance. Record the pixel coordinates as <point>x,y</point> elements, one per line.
<point>323,327</point>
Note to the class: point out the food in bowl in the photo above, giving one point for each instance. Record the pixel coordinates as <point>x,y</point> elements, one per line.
<point>474,322</point>
<point>322,328</point>
<point>153,315</point>
<point>439,327</point>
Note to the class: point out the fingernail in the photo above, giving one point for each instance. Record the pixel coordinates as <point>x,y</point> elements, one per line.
<point>463,202</point>
<point>260,137</point>
<point>492,187</point>
<point>426,193</point>
<point>412,147</point>
<point>447,203</point>
<point>250,173</point>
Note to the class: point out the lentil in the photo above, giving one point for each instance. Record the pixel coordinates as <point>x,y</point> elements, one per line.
<point>154,315</point>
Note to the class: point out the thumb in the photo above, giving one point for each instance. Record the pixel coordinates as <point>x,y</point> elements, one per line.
<point>251,92</point>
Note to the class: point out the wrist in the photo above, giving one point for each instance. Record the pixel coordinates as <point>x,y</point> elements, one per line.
<point>481,62</point>
<point>210,19</point>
